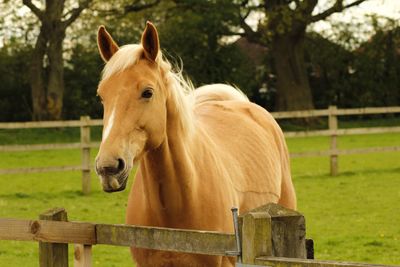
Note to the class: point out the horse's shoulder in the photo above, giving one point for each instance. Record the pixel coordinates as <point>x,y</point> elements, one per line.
<point>243,110</point>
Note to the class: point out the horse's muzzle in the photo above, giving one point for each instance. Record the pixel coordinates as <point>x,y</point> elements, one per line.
<point>113,173</point>
<point>114,184</point>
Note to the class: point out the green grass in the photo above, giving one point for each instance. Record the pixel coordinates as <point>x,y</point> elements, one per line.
<point>353,216</point>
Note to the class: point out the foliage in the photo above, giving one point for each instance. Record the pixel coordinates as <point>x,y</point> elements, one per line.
<point>377,70</point>
<point>195,31</point>
<point>81,78</point>
<point>342,68</point>
<point>357,75</point>
<point>15,104</point>
<point>328,70</point>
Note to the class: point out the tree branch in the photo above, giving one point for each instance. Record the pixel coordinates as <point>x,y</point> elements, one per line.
<point>135,7</point>
<point>76,12</point>
<point>307,7</point>
<point>337,7</point>
<point>252,36</point>
<point>33,8</point>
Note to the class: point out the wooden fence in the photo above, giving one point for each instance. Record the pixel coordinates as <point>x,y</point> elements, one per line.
<point>268,236</point>
<point>333,131</point>
<point>86,144</point>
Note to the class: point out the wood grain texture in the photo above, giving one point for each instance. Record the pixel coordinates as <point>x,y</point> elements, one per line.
<point>333,126</point>
<point>82,255</point>
<point>47,231</point>
<point>85,141</point>
<point>53,254</point>
<point>199,242</point>
<point>272,230</point>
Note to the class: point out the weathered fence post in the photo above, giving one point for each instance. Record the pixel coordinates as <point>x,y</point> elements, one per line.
<point>272,231</point>
<point>333,126</point>
<point>82,255</point>
<point>85,144</point>
<point>53,254</point>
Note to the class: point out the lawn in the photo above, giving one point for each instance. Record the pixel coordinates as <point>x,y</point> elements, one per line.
<point>353,216</point>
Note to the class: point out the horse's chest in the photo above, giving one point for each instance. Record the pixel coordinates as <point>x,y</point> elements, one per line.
<point>153,258</point>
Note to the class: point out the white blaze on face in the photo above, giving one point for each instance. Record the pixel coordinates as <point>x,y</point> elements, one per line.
<point>109,126</point>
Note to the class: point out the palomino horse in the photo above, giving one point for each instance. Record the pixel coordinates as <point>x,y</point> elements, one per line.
<point>200,152</point>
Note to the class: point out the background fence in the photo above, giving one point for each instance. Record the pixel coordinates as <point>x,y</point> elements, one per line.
<point>333,131</point>
<point>269,236</point>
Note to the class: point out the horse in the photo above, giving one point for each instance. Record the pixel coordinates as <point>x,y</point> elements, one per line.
<point>199,152</point>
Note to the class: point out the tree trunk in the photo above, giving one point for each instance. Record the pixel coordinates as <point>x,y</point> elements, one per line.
<point>55,89</point>
<point>293,88</point>
<point>47,78</point>
<point>36,77</point>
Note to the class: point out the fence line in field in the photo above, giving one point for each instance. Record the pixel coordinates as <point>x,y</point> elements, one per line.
<point>86,144</point>
<point>268,236</point>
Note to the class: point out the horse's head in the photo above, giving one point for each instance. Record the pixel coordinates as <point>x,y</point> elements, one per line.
<point>133,95</point>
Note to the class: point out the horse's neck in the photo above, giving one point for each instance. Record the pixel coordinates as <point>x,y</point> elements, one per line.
<point>168,171</point>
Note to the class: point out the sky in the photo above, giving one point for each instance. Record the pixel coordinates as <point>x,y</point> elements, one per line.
<point>386,8</point>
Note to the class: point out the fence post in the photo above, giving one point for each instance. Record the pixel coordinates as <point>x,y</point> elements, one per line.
<point>85,144</point>
<point>53,254</point>
<point>333,126</point>
<point>82,255</point>
<point>272,231</point>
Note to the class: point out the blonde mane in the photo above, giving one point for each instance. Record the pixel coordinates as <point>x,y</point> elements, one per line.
<point>125,57</point>
<point>181,87</point>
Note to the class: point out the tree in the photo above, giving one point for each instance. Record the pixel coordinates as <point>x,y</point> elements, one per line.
<point>194,31</point>
<point>376,77</point>
<point>284,29</point>
<point>46,70</point>
<point>329,70</point>
<point>14,87</point>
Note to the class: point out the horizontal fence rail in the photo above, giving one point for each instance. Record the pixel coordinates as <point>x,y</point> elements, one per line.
<point>177,240</point>
<point>86,144</point>
<point>41,147</point>
<point>168,239</point>
<point>269,235</point>
<point>49,124</point>
<point>335,112</point>
<point>289,262</point>
<point>41,169</point>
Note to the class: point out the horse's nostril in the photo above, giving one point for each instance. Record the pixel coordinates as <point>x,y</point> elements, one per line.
<point>121,165</point>
<point>110,168</point>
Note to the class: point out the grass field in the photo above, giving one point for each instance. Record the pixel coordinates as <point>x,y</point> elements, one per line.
<point>353,216</point>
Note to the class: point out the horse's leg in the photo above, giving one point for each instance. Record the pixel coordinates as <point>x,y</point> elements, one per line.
<point>228,262</point>
<point>288,194</point>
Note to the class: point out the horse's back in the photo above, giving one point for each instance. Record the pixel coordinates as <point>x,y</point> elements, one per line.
<point>218,92</point>
<point>252,149</point>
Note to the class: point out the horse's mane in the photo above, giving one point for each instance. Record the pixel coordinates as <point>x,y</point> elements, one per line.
<point>182,87</point>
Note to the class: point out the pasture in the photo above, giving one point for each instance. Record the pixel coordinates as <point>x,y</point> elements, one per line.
<point>350,217</point>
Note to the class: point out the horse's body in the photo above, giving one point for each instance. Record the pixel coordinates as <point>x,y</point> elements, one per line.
<point>216,150</point>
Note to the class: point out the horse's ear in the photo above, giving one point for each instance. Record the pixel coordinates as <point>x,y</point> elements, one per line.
<point>106,44</point>
<point>150,42</point>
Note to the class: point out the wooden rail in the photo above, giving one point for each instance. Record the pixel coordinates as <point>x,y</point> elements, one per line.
<point>332,113</point>
<point>270,236</point>
<point>288,262</point>
<point>86,144</point>
<point>168,239</point>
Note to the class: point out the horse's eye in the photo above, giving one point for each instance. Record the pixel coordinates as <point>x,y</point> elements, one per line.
<point>147,93</point>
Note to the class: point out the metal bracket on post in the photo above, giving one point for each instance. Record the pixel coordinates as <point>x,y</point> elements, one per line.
<point>238,251</point>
